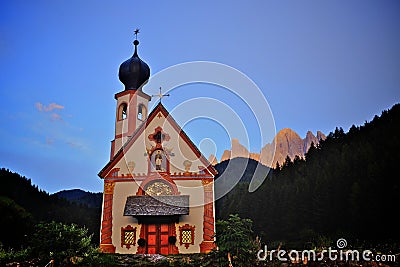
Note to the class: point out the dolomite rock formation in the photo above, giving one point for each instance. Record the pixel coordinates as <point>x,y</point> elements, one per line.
<point>286,143</point>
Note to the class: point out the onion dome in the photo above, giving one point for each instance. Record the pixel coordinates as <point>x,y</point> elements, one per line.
<point>134,72</point>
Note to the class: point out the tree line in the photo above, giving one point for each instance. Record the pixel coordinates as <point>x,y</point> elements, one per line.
<point>346,187</point>
<point>23,205</point>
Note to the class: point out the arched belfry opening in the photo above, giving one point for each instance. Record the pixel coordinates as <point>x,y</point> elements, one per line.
<point>142,112</point>
<point>122,112</point>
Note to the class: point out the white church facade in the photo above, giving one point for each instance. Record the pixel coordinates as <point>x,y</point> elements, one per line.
<point>158,188</point>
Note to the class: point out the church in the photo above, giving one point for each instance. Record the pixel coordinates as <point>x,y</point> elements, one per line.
<point>158,188</point>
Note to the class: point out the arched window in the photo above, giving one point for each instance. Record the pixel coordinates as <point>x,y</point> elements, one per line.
<point>122,111</point>
<point>141,112</point>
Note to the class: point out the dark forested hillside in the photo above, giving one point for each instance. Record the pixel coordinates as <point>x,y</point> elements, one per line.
<point>347,186</point>
<point>244,166</point>
<point>23,204</point>
<point>92,200</point>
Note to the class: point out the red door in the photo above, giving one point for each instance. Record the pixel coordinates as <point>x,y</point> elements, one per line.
<point>157,238</point>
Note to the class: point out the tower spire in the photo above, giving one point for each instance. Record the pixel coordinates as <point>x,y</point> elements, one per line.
<point>134,72</point>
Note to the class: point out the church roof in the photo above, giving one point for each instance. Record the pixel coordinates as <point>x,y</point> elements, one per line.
<point>159,108</point>
<point>156,205</point>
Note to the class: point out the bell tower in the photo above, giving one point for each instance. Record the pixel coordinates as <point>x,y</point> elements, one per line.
<point>132,102</point>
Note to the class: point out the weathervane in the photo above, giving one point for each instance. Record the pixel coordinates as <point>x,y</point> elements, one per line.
<point>160,95</point>
<point>136,33</point>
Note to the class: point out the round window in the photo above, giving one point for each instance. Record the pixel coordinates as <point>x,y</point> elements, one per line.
<point>158,188</point>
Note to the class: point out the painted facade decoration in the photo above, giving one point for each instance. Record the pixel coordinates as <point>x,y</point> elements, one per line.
<point>158,188</point>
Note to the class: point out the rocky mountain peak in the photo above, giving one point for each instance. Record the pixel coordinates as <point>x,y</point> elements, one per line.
<point>286,143</point>
<point>310,138</point>
<point>320,136</point>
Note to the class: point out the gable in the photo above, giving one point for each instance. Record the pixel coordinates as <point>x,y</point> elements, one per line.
<point>183,155</point>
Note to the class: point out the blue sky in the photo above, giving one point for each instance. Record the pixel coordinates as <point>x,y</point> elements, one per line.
<point>319,64</point>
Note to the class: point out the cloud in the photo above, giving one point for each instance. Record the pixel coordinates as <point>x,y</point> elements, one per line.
<point>75,144</point>
<point>50,107</point>
<point>56,117</point>
<point>51,125</point>
<point>39,106</point>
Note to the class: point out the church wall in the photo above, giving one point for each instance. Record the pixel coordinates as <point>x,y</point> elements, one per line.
<point>121,126</point>
<point>119,142</point>
<point>195,218</point>
<point>135,154</point>
<point>121,191</point>
<point>180,151</point>
<point>193,188</point>
<point>183,153</point>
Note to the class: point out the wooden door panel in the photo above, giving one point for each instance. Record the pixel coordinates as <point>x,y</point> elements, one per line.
<point>164,228</point>
<point>157,238</point>
<point>164,250</point>
<point>151,228</point>
<point>164,239</point>
<point>152,239</point>
<point>151,250</point>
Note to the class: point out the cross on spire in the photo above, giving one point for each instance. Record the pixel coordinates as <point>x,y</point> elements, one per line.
<point>160,95</point>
